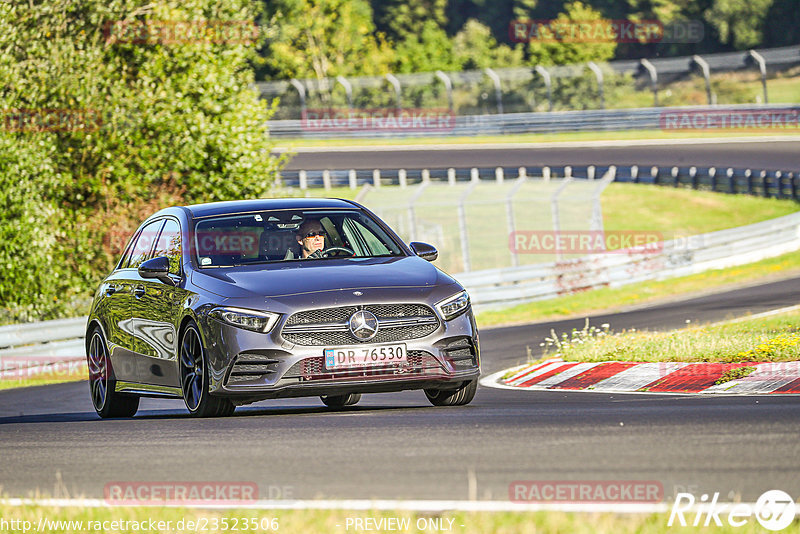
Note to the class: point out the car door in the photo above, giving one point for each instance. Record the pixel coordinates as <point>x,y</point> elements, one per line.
<point>119,289</point>
<point>157,308</point>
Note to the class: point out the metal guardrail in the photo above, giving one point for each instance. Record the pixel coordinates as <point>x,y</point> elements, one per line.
<point>716,250</point>
<point>297,95</point>
<point>538,122</point>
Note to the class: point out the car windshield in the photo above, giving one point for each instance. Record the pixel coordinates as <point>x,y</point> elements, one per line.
<point>289,235</point>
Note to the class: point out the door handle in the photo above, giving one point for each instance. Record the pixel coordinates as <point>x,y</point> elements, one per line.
<point>138,291</point>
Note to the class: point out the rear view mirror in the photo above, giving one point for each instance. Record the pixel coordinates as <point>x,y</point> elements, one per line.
<point>157,268</point>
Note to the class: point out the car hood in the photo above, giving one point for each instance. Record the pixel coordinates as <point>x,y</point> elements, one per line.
<point>311,276</point>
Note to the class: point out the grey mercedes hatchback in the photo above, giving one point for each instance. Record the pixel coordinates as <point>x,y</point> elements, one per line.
<point>229,303</point>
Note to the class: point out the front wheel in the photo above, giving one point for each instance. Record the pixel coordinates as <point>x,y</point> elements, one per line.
<point>106,401</point>
<point>340,401</point>
<point>194,378</point>
<point>455,397</point>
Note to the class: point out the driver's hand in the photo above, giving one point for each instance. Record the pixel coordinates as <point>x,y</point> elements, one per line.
<point>315,255</point>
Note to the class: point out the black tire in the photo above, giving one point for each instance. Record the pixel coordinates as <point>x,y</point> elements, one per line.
<point>106,401</point>
<point>340,401</point>
<point>453,397</point>
<point>194,378</point>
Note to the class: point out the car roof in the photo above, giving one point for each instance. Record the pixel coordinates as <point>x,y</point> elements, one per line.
<point>264,204</point>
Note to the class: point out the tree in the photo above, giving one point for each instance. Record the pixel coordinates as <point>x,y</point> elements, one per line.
<point>399,19</point>
<point>474,47</point>
<point>551,51</point>
<point>321,39</point>
<point>112,109</point>
<point>740,23</point>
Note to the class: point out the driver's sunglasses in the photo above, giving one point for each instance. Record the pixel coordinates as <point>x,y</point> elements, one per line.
<point>314,234</point>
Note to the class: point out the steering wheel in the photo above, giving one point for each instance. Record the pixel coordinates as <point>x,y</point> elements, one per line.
<point>326,253</point>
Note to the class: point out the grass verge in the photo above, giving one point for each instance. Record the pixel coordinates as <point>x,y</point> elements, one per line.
<point>763,339</point>
<point>12,383</point>
<point>650,292</point>
<point>566,137</point>
<point>138,519</point>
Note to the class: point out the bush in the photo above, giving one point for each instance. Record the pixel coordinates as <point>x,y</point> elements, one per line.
<point>149,122</point>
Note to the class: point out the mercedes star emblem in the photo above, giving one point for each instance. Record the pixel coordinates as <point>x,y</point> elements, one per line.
<point>363,325</point>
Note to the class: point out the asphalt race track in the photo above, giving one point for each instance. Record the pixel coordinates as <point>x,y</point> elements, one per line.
<point>398,446</point>
<point>773,155</point>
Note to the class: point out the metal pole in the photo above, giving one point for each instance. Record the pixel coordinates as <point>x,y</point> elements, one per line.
<point>545,74</point>
<point>596,222</point>
<point>392,79</point>
<point>703,66</point>
<point>598,74</point>
<point>412,216</point>
<point>448,85</point>
<point>510,215</point>
<point>758,59</point>
<point>498,93</point>
<point>554,209</point>
<point>651,70</point>
<point>462,225</point>
<point>348,90</point>
<point>301,91</point>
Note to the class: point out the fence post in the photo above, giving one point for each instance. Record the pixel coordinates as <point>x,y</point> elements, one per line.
<point>693,176</point>
<point>748,174</point>
<point>590,170</point>
<point>348,90</point>
<point>473,174</point>
<point>764,184</point>
<point>412,216</point>
<point>598,74</point>
<point>712,174</point>
<point>554,209</point>
<point>545,74</point>
<point>392,79</point>
<point>731,181</point>
<point>351,178</point>
<point>510,217</point>
<point>451,176</point>
<point>754,57</point>
<point>376,178</point>
<point>498,93</point>
<point>700,63</point>
<point>448,85</point>
<point>326,179</point>
<point>462,226</point>
<point>498,175</point>
<point>596,222</point>
<point>545,173</point>
<point>635,174</point>
<point>301,92</point>
<point>654,174</point>
<point>401,177</point>
<point>426,176</point>
<point>675,179</point>
<point>303,176</point>
<point>651,70</point>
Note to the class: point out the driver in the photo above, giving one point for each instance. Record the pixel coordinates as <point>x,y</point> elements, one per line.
<point>311,237</point>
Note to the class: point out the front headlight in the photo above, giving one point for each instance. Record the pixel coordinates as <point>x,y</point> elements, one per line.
<point>258,321</point>
<point>453,306</point>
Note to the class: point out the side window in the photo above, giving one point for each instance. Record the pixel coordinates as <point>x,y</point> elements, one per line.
<point>144,244</point>
<point>169,245</point>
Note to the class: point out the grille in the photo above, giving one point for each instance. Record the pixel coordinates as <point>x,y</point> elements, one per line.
<point>314,368</point>
<point>460,353</point>
<point>329,327</point>
<point>250,366</point>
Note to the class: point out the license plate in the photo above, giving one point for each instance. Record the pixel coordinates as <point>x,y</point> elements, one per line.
<point>365,356</point>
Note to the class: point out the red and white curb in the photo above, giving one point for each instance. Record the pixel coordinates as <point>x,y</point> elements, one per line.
<point>662,377</point>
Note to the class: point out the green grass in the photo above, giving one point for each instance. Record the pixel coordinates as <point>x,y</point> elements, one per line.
<point>765,339</point>
<point>39,381</point>
<point>335,521</point>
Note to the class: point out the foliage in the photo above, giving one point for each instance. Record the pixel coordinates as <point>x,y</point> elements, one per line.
<point>739,22</point>
<point>149,121</point>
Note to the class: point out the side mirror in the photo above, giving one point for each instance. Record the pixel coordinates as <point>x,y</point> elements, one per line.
<point>425,251</point>
<point>157,268</point>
